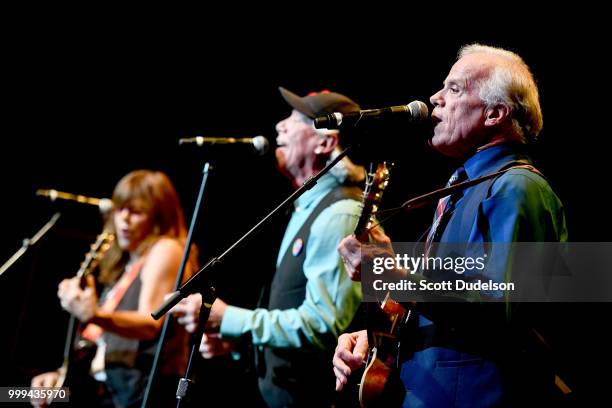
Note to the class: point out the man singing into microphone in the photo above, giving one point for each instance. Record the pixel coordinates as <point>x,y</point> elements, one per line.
<point>485,116</point>
<point>310,300</point>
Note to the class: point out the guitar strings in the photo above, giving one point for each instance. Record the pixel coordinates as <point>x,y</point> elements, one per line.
<point>394,211</point>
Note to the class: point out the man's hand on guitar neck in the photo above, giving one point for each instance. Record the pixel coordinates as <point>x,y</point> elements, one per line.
<point>350,355</point>
<point>350,249</point>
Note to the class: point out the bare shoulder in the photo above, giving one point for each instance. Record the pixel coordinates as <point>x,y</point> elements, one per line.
<point>164,255</point>
<point>166,246</point>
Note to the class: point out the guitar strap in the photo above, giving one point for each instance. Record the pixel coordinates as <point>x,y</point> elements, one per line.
<point>92,332</point>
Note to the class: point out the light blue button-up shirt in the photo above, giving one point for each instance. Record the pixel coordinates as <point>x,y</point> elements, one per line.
<point>331,297</point>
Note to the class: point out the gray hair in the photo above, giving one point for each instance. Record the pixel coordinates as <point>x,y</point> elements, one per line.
<point>512,84</point>
<point>345,171</point>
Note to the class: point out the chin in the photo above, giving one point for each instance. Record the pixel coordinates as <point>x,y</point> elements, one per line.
<point>280,158</point>
<point>438,143</point>
<point>441,145</point>
<point>123,244</point>
<point>280,166</point>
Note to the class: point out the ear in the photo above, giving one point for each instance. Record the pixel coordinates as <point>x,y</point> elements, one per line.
<point>326,144</point>
<point>496,115</point>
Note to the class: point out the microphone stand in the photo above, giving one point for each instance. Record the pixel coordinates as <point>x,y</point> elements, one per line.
<point>197,281</point>
<point>208,298</point>
<point>179,279</point>
<point>28,242</point>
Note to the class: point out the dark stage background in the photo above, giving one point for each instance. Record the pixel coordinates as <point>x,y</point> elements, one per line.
<point>83,110</point>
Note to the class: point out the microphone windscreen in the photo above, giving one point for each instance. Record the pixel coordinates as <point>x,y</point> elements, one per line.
<point>105,205</point>
<point>261,144</point>
<point>419,111</point>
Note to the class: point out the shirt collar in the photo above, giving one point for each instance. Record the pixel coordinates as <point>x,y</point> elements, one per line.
<point>326,183</point>
<point>494,159</point>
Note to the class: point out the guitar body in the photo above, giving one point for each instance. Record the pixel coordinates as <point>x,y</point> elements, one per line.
<point>380,383</point>
<point>374,378</point>
<point>74,373</point>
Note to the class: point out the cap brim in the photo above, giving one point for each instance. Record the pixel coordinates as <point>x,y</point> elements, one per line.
<point>296,102</point>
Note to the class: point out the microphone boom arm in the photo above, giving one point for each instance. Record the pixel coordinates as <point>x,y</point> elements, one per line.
<point>196,282</point>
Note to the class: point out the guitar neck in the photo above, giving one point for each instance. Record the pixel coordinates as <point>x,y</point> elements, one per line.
<point>73,325</point>
<point>361,231</point>
<point>376,182</point>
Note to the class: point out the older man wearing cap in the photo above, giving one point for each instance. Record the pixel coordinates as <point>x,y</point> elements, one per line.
<point>310,300</point>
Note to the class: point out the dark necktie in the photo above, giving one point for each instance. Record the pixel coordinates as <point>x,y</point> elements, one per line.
<point>444,208</point>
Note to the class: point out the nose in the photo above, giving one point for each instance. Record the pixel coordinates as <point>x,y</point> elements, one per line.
<point>123,214</point>
<point>280,126</point>
<point>436,99</point>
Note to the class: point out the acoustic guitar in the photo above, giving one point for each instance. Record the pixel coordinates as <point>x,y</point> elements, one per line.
<point>380,385</point>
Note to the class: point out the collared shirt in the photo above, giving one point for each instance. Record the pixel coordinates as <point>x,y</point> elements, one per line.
<point>517,206</point>
<point>331,297</point>
<point>520,206</point>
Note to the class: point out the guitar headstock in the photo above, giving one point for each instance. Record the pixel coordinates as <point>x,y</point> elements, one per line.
<point>95,253</point>
<point>375,184</point>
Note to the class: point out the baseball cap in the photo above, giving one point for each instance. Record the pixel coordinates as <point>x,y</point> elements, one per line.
<point>317,103</point>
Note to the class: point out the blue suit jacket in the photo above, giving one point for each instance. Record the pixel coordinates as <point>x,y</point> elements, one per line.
<point>466,351</point>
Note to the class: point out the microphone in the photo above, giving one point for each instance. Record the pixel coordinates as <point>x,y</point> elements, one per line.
<point>260,143</point>
<point>104,204</point>
<point>415,111</point>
